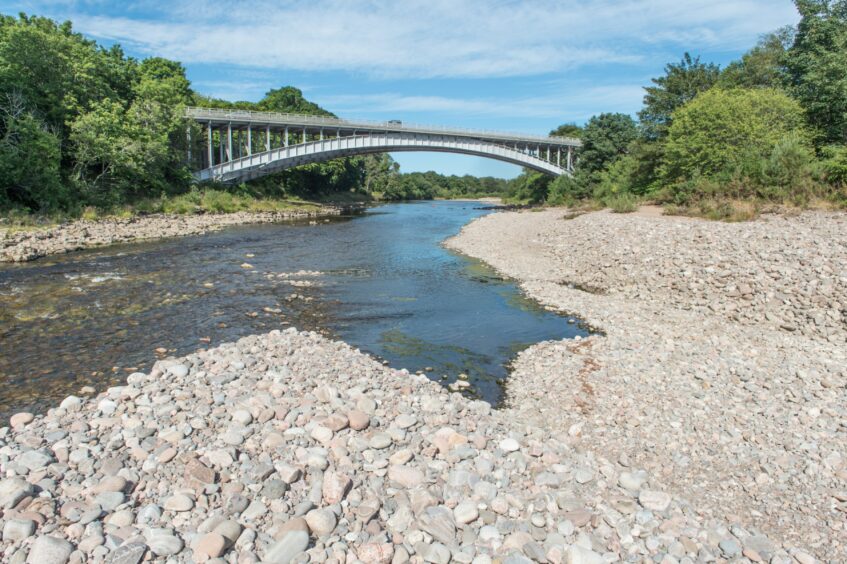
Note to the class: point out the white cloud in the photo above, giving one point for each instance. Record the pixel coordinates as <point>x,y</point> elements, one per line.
<point>433,38</point>
<point>572,104</point>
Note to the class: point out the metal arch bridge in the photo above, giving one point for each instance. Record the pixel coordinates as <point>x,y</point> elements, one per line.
<point>241,145</point>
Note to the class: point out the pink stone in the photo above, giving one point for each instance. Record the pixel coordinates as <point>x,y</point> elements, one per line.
<point>335,487</point>
<point>376,553</point>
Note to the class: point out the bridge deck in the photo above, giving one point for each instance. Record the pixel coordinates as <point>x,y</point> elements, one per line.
<point>244,118</point>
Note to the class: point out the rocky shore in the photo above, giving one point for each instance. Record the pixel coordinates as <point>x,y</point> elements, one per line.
<point>288,447</point>
<point>722,367</point>
<point>22,246</point>
<point>684,433</point>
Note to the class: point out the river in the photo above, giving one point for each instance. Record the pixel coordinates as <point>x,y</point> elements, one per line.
<point>380,281</point>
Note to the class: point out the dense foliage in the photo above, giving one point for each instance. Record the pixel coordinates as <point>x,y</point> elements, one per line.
<point>81,126</point>
<point>771,127</point>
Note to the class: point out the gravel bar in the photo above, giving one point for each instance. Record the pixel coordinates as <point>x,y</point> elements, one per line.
<point>23,246</point>
<point>722,365</point>
<point>677,437</point>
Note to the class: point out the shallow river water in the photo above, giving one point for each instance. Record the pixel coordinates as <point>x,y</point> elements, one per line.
<point>379,281</point>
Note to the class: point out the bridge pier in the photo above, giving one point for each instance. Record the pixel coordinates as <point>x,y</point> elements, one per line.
<point>209,148</point>
<point>229,142</point>
<point>249,141</point>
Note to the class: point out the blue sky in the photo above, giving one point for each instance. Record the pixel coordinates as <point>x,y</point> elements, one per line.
<point>524,66</point>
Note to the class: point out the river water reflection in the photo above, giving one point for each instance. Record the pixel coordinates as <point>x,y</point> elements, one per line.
<point>379,281</point>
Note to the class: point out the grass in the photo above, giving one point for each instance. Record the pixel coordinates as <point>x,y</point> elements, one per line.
<point>194,202</point>
<point>622,203</point>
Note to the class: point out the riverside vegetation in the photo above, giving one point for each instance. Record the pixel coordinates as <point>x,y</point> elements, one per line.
<point>86,130</point>
<point>769,129</point>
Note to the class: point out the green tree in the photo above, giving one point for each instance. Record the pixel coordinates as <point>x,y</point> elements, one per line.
<point>817,66</point>
<point>29,160</point>
<point>681,83</point>
<point>568,130</point>
<point>724,132</point>
<point>605,138</point>
<point>761,67</point>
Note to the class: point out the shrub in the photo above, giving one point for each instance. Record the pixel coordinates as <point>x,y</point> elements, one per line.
<point>835,165</point>
<point>723,132</point>
<point>622,203</point>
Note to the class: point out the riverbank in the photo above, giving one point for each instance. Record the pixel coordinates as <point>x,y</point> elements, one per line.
<point>721,370</point>
<point>287,443</point>
<point>26,245</point>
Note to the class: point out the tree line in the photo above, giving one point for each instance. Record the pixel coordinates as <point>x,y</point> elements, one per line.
<point>770,127</point>
<point>82,125</point>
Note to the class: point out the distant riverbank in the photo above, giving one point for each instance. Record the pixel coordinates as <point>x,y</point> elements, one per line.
<point>26,245</point>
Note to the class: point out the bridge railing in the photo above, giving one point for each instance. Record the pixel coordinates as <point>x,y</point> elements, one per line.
<point>202,114</point>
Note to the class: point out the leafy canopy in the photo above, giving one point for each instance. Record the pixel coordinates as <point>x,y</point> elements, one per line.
<point>721,131</point>
<point>817,66</point>
<point>682,82</point>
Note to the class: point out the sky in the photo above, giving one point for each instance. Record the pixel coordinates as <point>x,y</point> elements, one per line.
<point>524,66</point>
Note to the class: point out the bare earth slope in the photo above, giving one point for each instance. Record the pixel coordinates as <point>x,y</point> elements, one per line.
<point>723,366</point>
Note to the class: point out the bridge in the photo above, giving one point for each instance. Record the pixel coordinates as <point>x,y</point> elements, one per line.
<point>241,145</point>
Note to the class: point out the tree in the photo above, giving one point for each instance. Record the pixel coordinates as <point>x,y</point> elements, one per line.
<point>289,100</point>
<point>681,84</point>
<point>724,132</point>
<point>761,67</point>
<point>817,66</point>
<point>605,138</point>
<point>29,159</point>
<point>568,130</point>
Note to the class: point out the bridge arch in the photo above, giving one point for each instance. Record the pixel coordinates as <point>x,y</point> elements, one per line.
<point>281,158</point>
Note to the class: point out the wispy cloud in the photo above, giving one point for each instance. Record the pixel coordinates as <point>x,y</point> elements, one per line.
<point>430,38</point>
<point>566,105</point>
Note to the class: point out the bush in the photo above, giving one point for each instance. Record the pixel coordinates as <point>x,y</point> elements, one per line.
<point>723,132</point>
<point>622,203</point>
<point>835,165</point>
<point>617,179</point>
<point>563,191</point>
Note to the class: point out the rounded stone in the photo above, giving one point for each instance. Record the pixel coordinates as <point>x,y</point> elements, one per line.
<point>509,445</point>
<point>380,441</point>
<point>50,550</point>
<point>18,529</point>
<point>359,420</point>
<point>211,545</point>
<point>466,512</point>
<point>321,521</point>
<point>292,543</point>
<point>19,420</point>
<point>179,370</point>
<point>179,502</point>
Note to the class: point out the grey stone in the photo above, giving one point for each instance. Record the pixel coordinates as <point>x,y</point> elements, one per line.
<point>289,546</point>
<point>13,490</point>
<point>50,550</point>
<point>131,553</point>
<point>18,529</point>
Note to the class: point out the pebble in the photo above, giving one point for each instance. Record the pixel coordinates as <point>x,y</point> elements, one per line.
<point>321,522</point>
<point>22,419</point>
<point>211,545</point>
<point>292,543</point>
<point>18,529</point>
<point>50,550</point>
<point>509,445</point>
<point>653,500</point>
<point>335,487</point>
<point>454,480</point>
<point>178,502</point>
